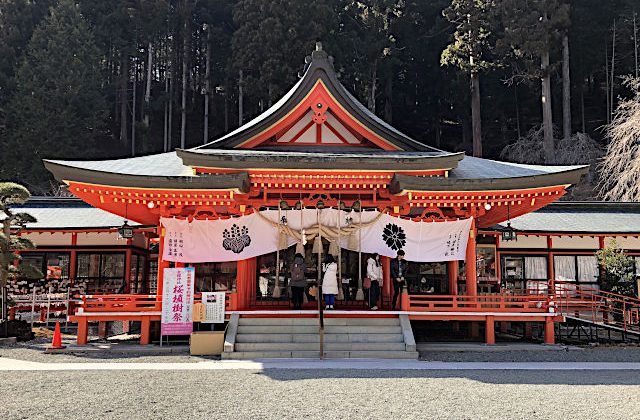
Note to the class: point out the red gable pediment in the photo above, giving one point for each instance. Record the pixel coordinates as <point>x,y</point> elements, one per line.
<point>318,120</point>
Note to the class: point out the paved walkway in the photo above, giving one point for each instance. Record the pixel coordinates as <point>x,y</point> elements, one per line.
<point>7,364</point>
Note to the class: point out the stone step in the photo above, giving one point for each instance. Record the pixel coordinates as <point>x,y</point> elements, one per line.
<point>313,329</point>
<point>247,347</point>
<point>314,338</point>
<point>277,329</point>
<point>314,321</point>
<point>316,354</point>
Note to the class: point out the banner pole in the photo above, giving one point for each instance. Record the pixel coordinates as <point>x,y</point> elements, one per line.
<point>320,312</point>
<point>360,292</point>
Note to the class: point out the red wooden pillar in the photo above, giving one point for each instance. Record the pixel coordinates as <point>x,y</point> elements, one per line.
<point>387,284</point>
<point>145,331</point>
<point>162,264</point>
<point>102,329</point>
<point>550,266</point>
<point>452,271</point>
<point>127,266</point>
<point>83,331</point>
<point>73,259</point>
<point>470,262</point>
<point>245,281</point>
<point>549,331</point>
<point>528,330</point>
<point>490,333</point>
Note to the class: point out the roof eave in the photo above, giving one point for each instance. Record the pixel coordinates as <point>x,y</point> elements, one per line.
<point>288,161</point>
<point>66,174</point>
<point>402,183</point>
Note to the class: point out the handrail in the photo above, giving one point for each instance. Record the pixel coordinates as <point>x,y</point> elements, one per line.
<point>137,303</point>
<point>594,290</point>
<point>598,306</point>
<point>482,303</point>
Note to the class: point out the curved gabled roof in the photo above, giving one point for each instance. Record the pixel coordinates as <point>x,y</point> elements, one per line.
<point>320,69</point>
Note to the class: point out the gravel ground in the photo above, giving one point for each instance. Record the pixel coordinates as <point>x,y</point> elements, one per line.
<point>589,354</point>
<point>315,394</point>
<point>595,354</point>
<point>24,352</point>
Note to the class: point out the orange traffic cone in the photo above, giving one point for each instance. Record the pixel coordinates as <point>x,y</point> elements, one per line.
<point>57,339</point>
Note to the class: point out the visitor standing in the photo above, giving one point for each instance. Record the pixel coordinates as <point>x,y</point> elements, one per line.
<point>398,271</point>
<point>298,280</point>
<point>330,281</point>
<point>374,273</point>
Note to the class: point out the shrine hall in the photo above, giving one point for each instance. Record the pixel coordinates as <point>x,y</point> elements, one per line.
<point>317,171</point>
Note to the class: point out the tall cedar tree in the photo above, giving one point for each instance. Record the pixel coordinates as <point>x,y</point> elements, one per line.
<point>271,41</point>
<point>58,109</point>
<point>532,29</point>
<point>469,50</point>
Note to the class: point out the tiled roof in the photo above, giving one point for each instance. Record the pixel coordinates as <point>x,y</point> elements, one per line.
<point>161,164</point>
<point>472,168</point>
<point>577,217</point>
<point>68,213</point>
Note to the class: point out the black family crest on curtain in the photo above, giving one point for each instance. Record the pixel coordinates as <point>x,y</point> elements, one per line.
<point>236,239</point>
<point>394,236</point>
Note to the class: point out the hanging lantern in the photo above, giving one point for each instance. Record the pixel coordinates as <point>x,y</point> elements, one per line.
<point>304,237</point>
<point>299,248</point>
<point>509,233</point>
<point>125,231</point>
<point>317,245</point>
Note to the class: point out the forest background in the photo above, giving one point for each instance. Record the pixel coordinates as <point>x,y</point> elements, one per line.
<point>532,81</point>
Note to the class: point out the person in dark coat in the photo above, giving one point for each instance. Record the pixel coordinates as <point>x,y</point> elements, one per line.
<point>298,280</point>
<point>399,268</point>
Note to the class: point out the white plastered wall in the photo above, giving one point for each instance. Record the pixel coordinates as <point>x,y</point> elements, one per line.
<point>575,242</point>
<point>49,239</point>
<point>528,241</point>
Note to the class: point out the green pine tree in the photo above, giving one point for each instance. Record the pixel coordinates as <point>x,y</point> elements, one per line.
<point>10,195</point>
<point>58,108</point>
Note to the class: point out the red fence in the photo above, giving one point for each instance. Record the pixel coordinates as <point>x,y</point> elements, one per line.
<point>598,306</point>
<point>480,303</point>
<point>136,303</point>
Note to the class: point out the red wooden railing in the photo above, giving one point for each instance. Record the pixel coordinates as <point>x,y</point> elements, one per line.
<point>480,303</point>
<point>598,306</point>
<point>137,303</point>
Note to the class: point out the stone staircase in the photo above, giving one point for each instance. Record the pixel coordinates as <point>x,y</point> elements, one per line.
<point>257,338</point>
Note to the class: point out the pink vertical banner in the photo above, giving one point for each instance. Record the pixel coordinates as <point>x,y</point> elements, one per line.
<point>177,301</point>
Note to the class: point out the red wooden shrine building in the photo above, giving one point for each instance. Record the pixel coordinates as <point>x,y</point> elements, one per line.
<point>318,147</point>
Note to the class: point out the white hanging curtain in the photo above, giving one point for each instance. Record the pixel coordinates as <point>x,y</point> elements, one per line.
<point>588,271</point>
<point>535,268</point>
<point>564,267</point>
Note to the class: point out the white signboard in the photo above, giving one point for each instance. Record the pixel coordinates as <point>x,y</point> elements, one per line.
<point>177,301</point>
<point>214,306</point>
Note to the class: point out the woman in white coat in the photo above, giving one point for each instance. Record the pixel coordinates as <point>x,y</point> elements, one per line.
<point>330,281</point>
<point>374,272</point>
